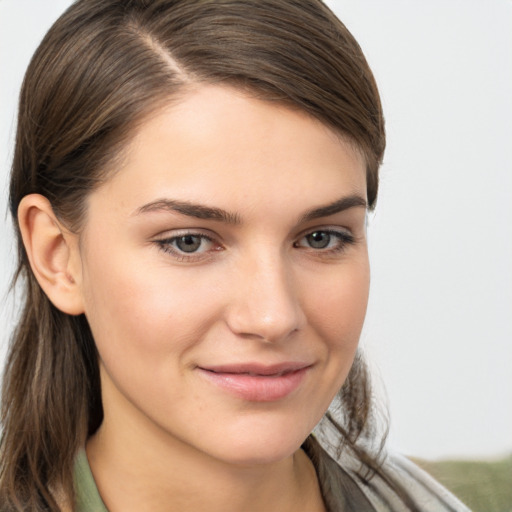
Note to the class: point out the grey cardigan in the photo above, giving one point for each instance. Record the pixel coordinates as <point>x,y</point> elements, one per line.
<point>344,489</point>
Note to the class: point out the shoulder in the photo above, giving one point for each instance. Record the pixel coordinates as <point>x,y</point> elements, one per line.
<point>344,475</point>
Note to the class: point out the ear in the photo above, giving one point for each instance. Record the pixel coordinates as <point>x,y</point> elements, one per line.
<point>53,253</point>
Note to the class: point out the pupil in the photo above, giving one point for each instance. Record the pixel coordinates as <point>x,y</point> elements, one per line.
<point>319,239</point>
<point>188,243</point>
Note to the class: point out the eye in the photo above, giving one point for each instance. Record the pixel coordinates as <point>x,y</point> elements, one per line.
<point>318,239</point>
<point>325,240</point>
<point>187,245</point>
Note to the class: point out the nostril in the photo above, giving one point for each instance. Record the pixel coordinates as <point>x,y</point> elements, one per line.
<point>268,328</point>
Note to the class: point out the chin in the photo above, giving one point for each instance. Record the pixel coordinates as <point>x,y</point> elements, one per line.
<point>259,454</point>
<point>254,446</point>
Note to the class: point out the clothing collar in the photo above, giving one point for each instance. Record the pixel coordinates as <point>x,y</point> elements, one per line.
<point>88,498</point>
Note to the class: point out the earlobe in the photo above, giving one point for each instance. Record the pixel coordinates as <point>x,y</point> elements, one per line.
<point>52,252</point>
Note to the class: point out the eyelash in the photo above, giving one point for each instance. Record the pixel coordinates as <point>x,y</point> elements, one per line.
<point>166,244</point>
<point>344,239</point>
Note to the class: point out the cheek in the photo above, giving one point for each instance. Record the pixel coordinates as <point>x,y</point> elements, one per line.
<point>336,313</point>
<point>338,308</point>
<point>136,313</point>
<point>146,330</point>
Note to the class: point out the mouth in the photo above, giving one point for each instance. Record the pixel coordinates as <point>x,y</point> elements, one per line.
<point>256,369</point>
<point>256,382</point>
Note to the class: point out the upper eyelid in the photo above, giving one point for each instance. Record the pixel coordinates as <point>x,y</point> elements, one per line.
<point>172,238</point>
<point>326,228</point>
<point>344,234</point>
<point>206,233</point>
<point>170,234</point>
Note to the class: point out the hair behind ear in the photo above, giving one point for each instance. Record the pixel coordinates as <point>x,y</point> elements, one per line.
<point>50,401</point>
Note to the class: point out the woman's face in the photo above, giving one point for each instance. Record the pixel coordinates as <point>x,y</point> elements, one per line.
<point>224,274</point>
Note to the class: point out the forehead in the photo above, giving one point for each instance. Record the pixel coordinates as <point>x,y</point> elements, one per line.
<point>221,145</point>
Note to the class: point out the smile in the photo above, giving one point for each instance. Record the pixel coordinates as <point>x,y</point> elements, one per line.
<point>257,383</point>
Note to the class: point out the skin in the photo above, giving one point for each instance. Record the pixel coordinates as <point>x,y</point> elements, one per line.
<point>254,291</point>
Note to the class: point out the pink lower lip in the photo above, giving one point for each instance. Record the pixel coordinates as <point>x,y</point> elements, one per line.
<point>257,388</point>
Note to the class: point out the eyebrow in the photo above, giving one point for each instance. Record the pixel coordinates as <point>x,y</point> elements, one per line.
<point>200,211</point>
<point>189,209</point>
<point>337,206</point>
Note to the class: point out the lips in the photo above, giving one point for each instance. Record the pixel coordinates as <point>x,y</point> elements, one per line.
<point>257,369</point>
<point>256,382</point>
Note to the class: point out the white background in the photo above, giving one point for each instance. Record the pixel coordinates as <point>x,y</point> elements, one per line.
<point>439,327</point>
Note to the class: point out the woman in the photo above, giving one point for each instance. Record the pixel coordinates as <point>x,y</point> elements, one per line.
<point>190,182</point>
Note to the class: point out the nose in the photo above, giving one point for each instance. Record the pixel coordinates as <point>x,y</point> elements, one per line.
<point>265,304</point>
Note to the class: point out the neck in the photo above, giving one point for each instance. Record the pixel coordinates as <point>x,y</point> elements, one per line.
<point>132,476</point>
<point>138,467</point>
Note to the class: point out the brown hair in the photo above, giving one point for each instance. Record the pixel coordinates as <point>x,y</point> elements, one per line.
<point>103,67</point>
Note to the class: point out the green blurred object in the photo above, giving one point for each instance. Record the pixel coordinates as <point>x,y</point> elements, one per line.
<point>484,486</point>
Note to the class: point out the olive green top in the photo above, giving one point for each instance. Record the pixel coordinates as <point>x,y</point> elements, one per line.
<point>88,498</point>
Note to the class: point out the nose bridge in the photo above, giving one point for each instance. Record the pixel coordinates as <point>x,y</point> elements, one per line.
<point>266,304</point>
